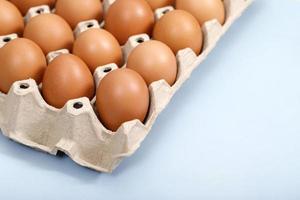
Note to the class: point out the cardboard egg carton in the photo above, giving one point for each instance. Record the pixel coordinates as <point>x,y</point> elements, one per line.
<point>76,130</point>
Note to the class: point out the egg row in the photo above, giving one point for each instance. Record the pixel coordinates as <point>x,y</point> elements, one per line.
<point>123,19</point>
<point>121,96</point>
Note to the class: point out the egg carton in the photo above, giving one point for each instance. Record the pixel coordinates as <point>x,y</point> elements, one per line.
<point>76,130</point>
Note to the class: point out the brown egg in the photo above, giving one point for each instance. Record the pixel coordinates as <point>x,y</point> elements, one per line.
<point>20,59</point>
<point>97,47</point>
<point>67,77</point>
<point>50,32</point>
<point>129,17</point>
<point>24,5</point>
<point>122,96</point>
<point>160,3</point>
<point>179,29</point>
<point>11,20</point>
<point>80,10</point>
<point>154,61</point>
<point>203,10</point>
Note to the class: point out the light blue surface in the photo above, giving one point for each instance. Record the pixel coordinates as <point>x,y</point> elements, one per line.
<point>231,132</point>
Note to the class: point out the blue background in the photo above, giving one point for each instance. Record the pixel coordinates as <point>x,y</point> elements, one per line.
<point>231,132</point>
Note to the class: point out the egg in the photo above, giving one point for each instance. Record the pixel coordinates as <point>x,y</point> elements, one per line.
<point>67,77</point>
<point>160,3</point>
<point>203,10</point>
<point>24,5</point>
<point>11,20</point>
<point>179,30</point>
<point>50,32</point>
<point>154,61</point>
<point>80,10</point>
<point>20,59</point>
<point>97,47</point>
<point>129,17</point>
<point>122,96</point>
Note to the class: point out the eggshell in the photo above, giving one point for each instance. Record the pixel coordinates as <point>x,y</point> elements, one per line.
<point>203,10</point>
<point>179,30</point>
<point>97,47</point>
<point>24,5</point>
<point>154,61</point>
<point>160,3</point>
<point>50,32</point>
<point>11,20</point>
<point>122,96</point>
<point>20,59</point>
<point>67,77</point>
<point>129,17</point>
<point>80,10</point>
